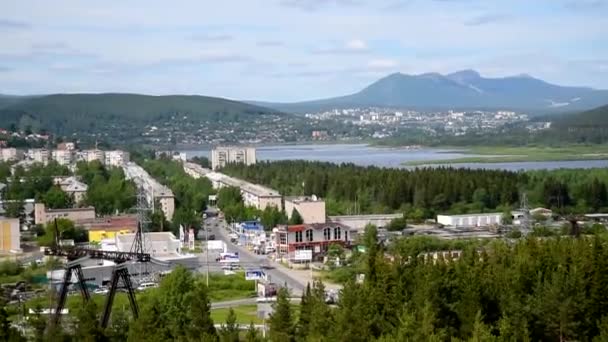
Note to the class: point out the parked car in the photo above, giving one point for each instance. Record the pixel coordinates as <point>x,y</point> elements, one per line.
<point>266,299</point>
<point>101,290</point>
<point>145,286</point>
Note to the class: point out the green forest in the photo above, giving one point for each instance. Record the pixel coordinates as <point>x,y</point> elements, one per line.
<point>425,192</point>
<point>529,290</point>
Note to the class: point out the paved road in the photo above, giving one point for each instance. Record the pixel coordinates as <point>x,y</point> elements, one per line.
<point>249,259</point>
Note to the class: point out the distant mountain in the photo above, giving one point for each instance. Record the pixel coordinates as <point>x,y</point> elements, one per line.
<point>69,113</point>
<point>465,89</point>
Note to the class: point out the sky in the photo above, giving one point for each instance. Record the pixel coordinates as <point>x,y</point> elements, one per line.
<point>291,50</point>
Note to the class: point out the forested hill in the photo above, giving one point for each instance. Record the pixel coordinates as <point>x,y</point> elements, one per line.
<point>594,118</point>
<point>67,113</point>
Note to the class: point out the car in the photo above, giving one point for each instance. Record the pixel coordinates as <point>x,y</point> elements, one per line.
<point>266,300</point>
<point>267,267</point>
<point>145,286</point>
<point>101,290</point>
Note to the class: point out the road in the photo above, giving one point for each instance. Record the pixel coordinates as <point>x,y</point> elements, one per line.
<point>278,274</point>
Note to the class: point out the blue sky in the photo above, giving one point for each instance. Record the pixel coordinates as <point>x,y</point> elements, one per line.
<point>291,50</point>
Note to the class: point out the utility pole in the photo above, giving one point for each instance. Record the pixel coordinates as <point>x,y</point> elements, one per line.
<point>207,247</point>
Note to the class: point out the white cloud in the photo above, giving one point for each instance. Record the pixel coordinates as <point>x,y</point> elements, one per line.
<point>382,64</point>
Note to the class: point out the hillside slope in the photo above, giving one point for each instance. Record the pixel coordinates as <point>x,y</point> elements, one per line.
<point>67,113</point>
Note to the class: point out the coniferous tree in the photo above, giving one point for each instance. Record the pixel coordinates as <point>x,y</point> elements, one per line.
<point>281,320</point>
<point>295,218</point>
<point>229,332</point>
<point>252,334</point>
<point>305,313</point>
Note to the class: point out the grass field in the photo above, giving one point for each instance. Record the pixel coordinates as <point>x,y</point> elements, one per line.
<point>245,314</point>
<point>522,154</point>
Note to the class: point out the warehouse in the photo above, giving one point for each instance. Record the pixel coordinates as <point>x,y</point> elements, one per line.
<point>470,220</point>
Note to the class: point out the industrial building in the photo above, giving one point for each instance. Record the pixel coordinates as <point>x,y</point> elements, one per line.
<point>310,208</point>
<point>470,220</point>
<point>10,236</point>
<point>109,227</point>
<point>43,215</point>
<point>221,156</point>
<point>359,222</point>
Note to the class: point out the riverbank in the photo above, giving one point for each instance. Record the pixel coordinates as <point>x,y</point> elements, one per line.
<point>492,154</point>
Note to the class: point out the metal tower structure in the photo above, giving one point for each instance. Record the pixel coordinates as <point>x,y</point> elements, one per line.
<point>141,242</point>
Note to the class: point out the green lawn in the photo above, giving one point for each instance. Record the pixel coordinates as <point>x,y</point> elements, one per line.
<point>245,314</point>
<point>489,154</point>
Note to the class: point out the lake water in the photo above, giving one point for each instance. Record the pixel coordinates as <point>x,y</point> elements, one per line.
<point>365,155</point>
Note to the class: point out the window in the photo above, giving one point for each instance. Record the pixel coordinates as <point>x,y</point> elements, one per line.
<point>337,233</point>
<point>327,234</point>
<point>309,235</point>
<point>346,235</point>
<point>298,236</point>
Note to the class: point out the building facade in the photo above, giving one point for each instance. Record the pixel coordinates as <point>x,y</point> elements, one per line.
<point>39,155</point>
<point>314,237</point>
<point>109,227</point>
<point>311,209</point>
<point>10,154</point>
<point>63,157</point>
<point>221,156</point>
<point>43,215</point>
<point>116,158</point>
<point>470,220</point>
<point>10,236</point>
<point>92,155</point>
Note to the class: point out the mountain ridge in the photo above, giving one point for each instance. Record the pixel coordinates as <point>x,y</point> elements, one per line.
<point>464,89</point>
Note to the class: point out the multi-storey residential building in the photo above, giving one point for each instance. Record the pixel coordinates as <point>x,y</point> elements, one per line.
<point>39,155</point>
<point>69,146</point>
<point>116,158</point>
<point>220,156</point>
<point>155,192</point>
<point>10,154</point>
<point>63,157</point>
<point>43,215</point>
<point>92,155</point>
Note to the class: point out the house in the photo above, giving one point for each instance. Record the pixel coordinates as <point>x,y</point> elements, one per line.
<point>73,187</point>
<point>314,237</point>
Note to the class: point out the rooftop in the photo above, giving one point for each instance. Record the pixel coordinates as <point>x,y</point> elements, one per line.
<point>303,199</point>
<point>472,215</point>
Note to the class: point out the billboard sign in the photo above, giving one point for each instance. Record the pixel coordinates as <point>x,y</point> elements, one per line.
<point>254,274</point>
<point>303,255</point>
<point>229,258</point>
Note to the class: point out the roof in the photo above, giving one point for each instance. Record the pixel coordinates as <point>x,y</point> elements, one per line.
<point>317,226</point>
<point>110,223</point>
<point>69,210</point>
<point>303,199</point>
<point>473,215</point>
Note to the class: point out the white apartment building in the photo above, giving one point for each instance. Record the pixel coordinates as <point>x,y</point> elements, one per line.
<point>220,156</point>
<point>10,154</point>
<point>39,155</point>
<point>63,157</point>
<point>155,192</point>
<point>92,155</point>
<point>116,158</point>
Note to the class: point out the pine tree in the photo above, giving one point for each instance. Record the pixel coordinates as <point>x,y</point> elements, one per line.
<point>295,218</point>
<point>230,331</point>
<point>200,313</point>
<point>87,324</point>
<point>281,320</point>
<point>305,313</point>
<point>252,334</point>
<point>320,314</point>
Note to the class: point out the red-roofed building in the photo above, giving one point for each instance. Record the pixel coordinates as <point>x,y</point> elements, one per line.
<point>315,237</point>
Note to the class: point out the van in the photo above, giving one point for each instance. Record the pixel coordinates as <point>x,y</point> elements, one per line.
<point>145,286</point>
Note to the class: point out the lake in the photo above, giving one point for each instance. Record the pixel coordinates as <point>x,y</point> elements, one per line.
<point>365,155</point>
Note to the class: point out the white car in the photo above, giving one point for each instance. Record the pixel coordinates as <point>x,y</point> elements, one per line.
<point>145,286</point>
<point>101,290</point>
<point>266,299</point>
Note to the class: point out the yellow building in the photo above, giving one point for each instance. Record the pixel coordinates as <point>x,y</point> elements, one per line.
<point>10,236</point>
<point>109,227</point>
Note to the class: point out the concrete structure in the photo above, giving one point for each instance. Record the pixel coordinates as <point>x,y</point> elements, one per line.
<point>314,237</point>
<point>10,236</point>
<point>311,209</point>
<point>358,222</point>
<point>63,157</point>
<point>43,215</point>
<point>73,187</point>
<point>155,192</point>
<point>254,195</point>
<point>220,156</point>
<point>92,155</point>
<point>160,245</point>
<point>109,227</point>
<point>10,154</point>
<point>116,158</point>
<point>39,155</point>
<point>470,220</point>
